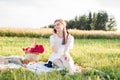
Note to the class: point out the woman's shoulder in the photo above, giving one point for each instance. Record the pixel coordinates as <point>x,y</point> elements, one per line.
<point>53,36</point>
<point>70,36</point>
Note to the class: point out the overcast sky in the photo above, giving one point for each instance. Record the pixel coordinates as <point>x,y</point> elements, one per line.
<point>37,13</point>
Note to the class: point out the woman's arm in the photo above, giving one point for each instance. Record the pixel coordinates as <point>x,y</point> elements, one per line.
<point>55,47</point>
<point>54,43</point>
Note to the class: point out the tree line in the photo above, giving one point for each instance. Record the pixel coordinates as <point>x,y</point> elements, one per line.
<point>92,21</point>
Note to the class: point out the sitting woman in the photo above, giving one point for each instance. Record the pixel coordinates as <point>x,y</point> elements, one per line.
<point>61,41</point>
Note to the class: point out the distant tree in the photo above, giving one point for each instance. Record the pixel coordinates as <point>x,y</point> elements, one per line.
<point>70,24</point>
<point>77,22</point>
<point>83,22</point>
<point>102,19</point>
<point>89,22</point>
<point>50,26</point>
<point>93,21</point>
<point>111,25</point>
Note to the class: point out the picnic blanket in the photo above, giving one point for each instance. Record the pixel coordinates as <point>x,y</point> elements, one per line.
<point>13,62</point>
<point>10,66</point>
<point>40,68</point>
<point>37,67</point>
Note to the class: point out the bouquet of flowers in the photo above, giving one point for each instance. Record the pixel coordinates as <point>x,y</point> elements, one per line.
<point>32,52</point>
<point>37,49</point>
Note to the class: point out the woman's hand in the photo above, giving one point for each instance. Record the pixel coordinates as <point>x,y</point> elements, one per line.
<point>66,57</point>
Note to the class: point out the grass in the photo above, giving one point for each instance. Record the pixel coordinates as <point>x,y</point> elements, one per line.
<point>101,54</point>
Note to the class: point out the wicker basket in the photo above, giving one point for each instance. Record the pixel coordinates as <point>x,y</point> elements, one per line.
<point>31,57</point>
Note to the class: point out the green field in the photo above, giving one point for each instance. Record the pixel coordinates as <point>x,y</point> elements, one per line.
<point>101,54</point>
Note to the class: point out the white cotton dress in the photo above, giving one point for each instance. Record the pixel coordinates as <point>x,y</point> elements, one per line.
<point>61,48</point>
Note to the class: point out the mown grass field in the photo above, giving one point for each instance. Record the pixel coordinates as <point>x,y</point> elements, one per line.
<point>101,54</point>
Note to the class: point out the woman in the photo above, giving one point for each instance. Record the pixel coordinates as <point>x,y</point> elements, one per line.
<point>61,41</point>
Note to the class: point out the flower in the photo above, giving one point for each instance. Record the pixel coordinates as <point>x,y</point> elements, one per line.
<point>37,49</point>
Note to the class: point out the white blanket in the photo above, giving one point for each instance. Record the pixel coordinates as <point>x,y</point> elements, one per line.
<point>10,66</point>
<point>34,67</point>
<point>40,68</point>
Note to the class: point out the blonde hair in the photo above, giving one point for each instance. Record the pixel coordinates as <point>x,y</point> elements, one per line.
<point>64,30</point>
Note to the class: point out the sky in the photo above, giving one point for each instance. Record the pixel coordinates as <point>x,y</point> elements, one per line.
<point>39,13</point>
